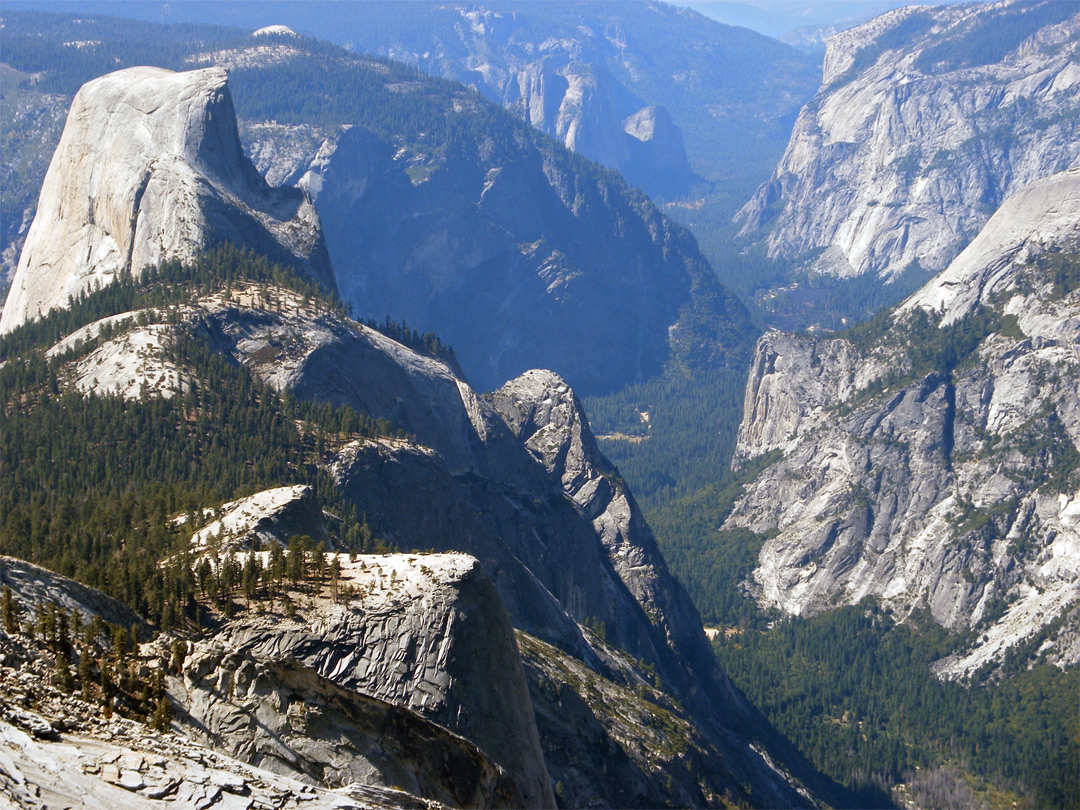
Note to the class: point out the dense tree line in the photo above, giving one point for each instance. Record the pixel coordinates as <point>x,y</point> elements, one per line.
<point>59,53</point>
<point>854,690</point>
<point>991,37</point>
<point>88,482</point>
<point>692,418</point>
<point>427,343</point>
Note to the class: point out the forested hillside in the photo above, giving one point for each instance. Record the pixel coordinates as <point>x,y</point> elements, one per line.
<point>91,480</point>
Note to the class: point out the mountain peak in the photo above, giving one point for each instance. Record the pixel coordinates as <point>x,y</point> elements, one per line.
<point>149,169</point>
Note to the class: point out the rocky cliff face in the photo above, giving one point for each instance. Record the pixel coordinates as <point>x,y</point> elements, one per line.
<point>150,169</point>
<point>576,103</point>
<point>559,254</point>
<point>926,121</point>
<point>930,459</point>
<point>515,236</point>
<point>584,73</point>
<point>547,418</point>
<point>427,633</point>
<point>261,730</point>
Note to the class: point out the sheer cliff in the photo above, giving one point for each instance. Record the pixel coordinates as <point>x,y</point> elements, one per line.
<point>150,169</point>
<point>926,121</point>
<point>930,456</point>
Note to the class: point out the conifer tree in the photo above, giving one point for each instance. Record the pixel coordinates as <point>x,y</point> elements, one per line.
<point>10,610</point>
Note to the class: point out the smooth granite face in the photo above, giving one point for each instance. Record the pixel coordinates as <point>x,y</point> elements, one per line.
<point>912,143</point>
<point>150,169</point>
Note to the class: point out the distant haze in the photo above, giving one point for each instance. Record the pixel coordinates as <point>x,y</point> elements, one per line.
<point>795,21</point>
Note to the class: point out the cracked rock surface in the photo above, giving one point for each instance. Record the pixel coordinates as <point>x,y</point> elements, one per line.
<point>950,489</point>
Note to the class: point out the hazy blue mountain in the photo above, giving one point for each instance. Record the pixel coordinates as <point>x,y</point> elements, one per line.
<point>442,209</point>
<point>731,92</point>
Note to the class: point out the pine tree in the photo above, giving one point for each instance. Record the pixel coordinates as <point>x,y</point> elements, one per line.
<point>86,671</point>
<point>62,679</point>
<point>10,611</point>
<point>163,715</point>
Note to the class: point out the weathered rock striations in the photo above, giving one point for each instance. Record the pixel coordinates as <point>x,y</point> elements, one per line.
<point>921,129</point>
<point>930,460</point>
<point>427,633</point>
<point>150,168</point>
<point>58,750</point>
<point>280,716</point>
<point>548,419</point>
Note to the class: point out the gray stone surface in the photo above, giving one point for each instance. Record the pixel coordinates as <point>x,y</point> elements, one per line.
<point>150,168</point>
<point>930,493</point>
<point>352,692</point>
<point>912,142</point>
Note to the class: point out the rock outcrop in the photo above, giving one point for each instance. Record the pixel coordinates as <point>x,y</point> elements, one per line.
<point>929,458</point>
<point>547,418</point>
<point>560,535</point>
<point>426,633</point>
<point>927,119</point>
<point>33,585</point>
<point>57,749</point>
<point>271,515</point>
<point>149,169</point>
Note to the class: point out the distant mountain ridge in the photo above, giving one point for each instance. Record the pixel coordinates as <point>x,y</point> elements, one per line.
<point>926,121</point>
<point>581,72</point>
<point>420,179</point>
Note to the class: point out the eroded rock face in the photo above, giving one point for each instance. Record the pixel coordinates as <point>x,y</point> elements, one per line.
<point>900,158</point>
<point>949,487</point>
<point>58,750</point>
<point>575,102</point>
<point>149,169</point>
<point>282,717</point>
<point>548,419</point>
<point>428,633</point>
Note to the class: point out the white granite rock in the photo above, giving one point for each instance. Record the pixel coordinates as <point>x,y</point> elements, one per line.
<point>897,161</point>
<point>929,493</point>
<point>150,168</point>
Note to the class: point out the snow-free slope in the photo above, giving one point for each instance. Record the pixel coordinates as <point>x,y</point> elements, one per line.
<point>150,169</point>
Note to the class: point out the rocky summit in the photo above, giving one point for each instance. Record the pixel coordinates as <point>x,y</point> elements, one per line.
<point>928,457</point>
<point>150,169</point>
<point>926,121</point>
